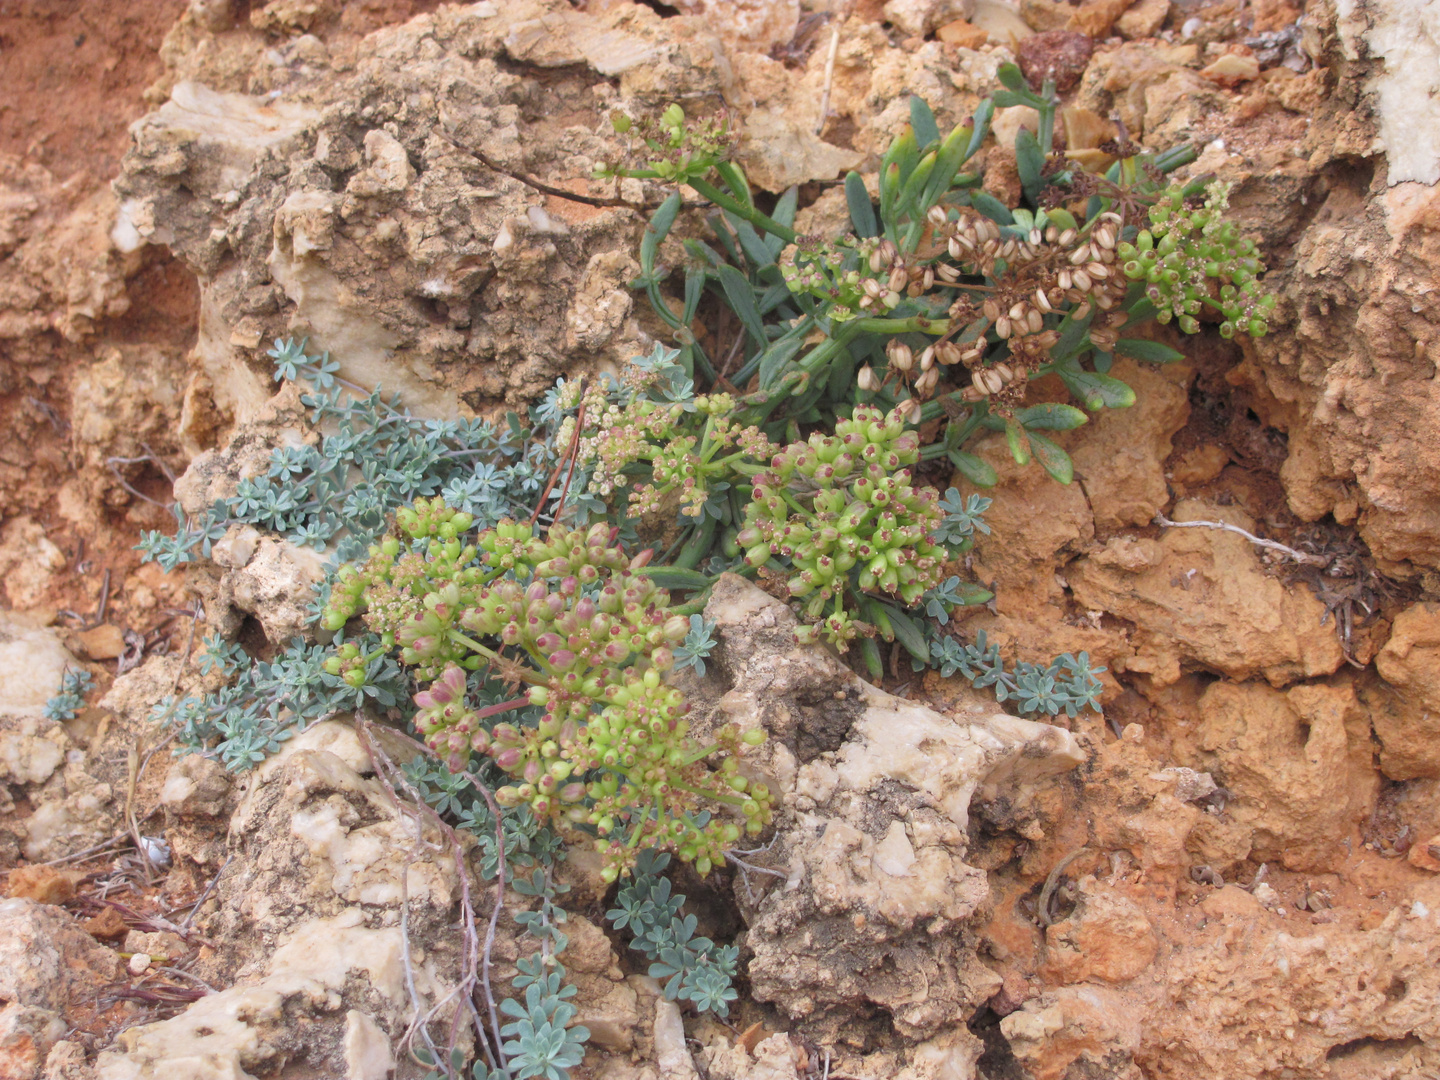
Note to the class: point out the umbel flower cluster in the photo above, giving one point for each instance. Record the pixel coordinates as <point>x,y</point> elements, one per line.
<point>1187,252</point>
<point>842,509</point>
<point>567,617</point>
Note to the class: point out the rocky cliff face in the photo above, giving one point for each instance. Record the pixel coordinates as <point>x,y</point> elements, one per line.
<point>1233,872</point>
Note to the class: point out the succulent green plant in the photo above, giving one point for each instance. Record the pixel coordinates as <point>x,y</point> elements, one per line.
<point>568,617</point>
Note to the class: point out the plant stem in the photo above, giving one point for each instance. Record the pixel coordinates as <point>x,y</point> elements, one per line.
<point>749,213</point>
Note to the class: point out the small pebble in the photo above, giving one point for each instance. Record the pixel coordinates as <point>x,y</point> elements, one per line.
<point>139,963</point>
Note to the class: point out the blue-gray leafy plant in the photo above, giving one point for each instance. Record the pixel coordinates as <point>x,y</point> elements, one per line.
<point>373,459</point>
<point>65,705</point>
<point>692,968</point>
<point>1067,684</point>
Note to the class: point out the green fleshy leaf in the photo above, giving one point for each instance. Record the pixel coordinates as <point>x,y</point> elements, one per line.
<point>1152,351</point>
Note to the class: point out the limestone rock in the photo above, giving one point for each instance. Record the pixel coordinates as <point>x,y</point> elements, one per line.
<point>1119,455</point>
<point>921,17</point>
<point>1349,378</point>
<point>26,1035</point>
<point>31,749</point>
<point>249,1027</point>
<point>46,959</point>
<point>196,786</point>
<point>1200,596</point>
<point>1035,526</point>
<point>1144,19</point>
<point>1076,1030</point>
<point>1304,981</point>
<point>1406,712</point>
<point>760,25</point>
<point>876,793</point>
<point>372,229</point>
<point>276,587</point>
<point>1299,763</point>
<point>1106,938</point>
<point>29,561</point>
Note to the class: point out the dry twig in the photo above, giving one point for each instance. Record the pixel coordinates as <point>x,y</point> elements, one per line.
<point>1274,545</point>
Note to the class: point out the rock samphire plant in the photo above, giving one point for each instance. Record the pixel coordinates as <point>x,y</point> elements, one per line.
<point>566,617</point>
<point>484,586</point>
<point>931,317</point>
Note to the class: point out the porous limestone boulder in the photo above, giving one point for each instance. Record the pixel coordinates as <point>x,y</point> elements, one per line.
<point>1350,375</point>
<point>1405,709</point>
<point>1201,597</point>
<point>1299,763</point>
<point>46,959</point>
<point>876,899</point>
<point>346,204</point>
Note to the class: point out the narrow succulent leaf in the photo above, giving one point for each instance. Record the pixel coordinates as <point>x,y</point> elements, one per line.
<point>977,470</point>
<point>862,210</point>
<point>922,121</point>
<point>1154,352</point>
<point>1054,460</point>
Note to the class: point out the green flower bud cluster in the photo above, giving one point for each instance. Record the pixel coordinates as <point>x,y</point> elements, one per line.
<point>679,148</point>
<point>413,597</point>
<point>841,508</point>
<point>1190,258</point>
<point>666,450</point>
<point>568,616</point>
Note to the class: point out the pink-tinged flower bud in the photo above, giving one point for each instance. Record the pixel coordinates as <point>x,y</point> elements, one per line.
<point>536,591</point>
<point>507,759</point>
<point>508,796</point>
<point>676,627</point>
<point>549,641</point>
<point>531,772</point>
<point>643,559</point>
<point>585,609</point>
<point>663,659</point>
<point>480,741</point>
<point>572,792</point>
<point>562,658</point>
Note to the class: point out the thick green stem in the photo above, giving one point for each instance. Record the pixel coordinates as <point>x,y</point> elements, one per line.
<point>749,213</point>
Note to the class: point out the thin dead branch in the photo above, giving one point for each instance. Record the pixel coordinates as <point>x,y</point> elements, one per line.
<point>1301,557</point>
